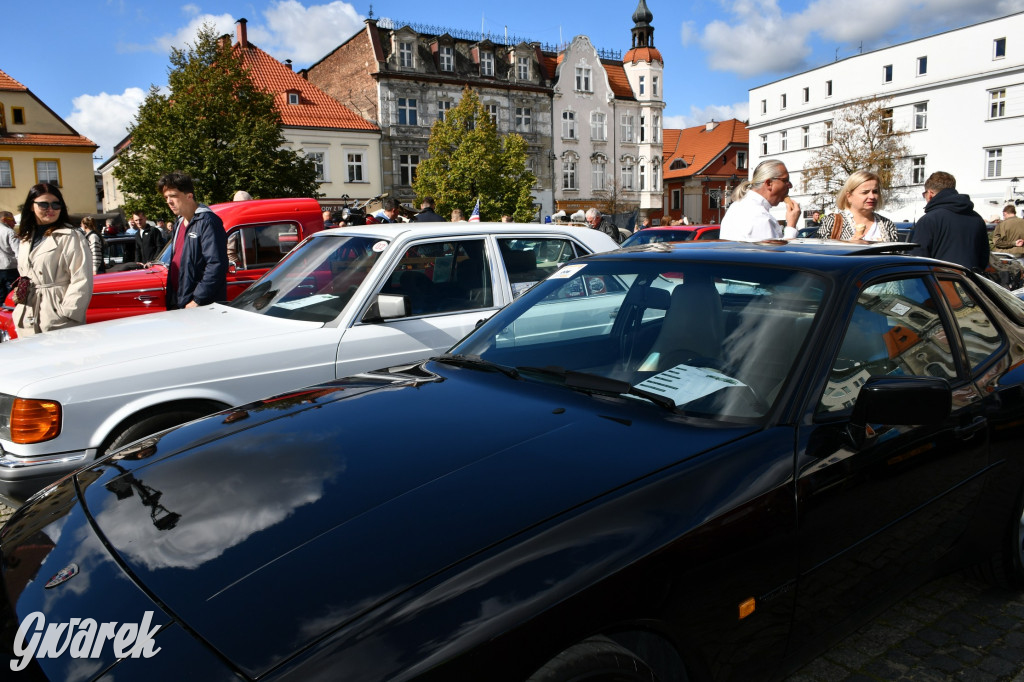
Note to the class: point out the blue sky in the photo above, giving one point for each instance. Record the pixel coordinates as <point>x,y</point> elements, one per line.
<point>92,61</point>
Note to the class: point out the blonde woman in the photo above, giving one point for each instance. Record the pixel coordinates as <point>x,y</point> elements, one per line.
<point>857,202</point>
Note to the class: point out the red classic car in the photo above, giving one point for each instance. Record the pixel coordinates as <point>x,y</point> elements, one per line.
<point>260,232</point>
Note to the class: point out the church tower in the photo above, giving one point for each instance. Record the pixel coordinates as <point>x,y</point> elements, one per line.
<point>644,68</point>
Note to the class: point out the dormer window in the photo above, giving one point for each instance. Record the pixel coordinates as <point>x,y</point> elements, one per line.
<point>405,55</point>
<point>523,68</point>
<point>486,63</point>
<point>446,57</point>
<point>293,98</point>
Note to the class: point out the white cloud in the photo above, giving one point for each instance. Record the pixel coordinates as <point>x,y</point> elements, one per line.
<point>104,118</point>
<point>305,34</point>
<point>700,116</point>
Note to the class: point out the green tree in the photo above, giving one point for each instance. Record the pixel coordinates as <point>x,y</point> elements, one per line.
<point>469,161</point>
<point>863,137</point>
<point>216,126</point>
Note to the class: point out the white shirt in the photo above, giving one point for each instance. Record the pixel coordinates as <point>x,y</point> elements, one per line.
<point>748,220</point>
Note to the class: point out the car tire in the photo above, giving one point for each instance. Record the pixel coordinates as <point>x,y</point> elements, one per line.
<point>1005,568</point>
<point>597,659</point>
<point>151,424</point>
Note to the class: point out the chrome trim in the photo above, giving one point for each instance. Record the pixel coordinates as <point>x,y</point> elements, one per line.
<point>12,462</point>
<point>125,291</point>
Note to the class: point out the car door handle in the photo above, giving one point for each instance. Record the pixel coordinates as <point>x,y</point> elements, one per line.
<point>968,431</point>
<point>147,299</point>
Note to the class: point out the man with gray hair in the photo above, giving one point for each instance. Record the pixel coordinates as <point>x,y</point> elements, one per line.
<point>748,219</point>
<point>602,224</point>
<point>9,245</point>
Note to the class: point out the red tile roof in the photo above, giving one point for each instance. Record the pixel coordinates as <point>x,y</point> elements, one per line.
<point>617,79</point>
<point>46,140</point>
<point>316,109</point>
<point>698,146</point>
<point>8,83</point>
<point>643,54</point>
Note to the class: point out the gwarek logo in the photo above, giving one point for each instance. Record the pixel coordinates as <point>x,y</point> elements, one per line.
<point>82,638</point>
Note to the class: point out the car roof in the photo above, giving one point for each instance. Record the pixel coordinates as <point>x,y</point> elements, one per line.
<point>686,228</point>
<point>237,212</point>
<point>394,231</point>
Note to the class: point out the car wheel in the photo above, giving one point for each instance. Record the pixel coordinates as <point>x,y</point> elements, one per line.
<point>597,659</point>
<point>151,424</point>
<point>1005,568</point>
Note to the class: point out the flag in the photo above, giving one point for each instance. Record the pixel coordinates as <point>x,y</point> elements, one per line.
<point>475,217</point>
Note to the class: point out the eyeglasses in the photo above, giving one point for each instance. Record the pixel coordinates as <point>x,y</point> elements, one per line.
<point>55,205</point>
<point>785,180</point>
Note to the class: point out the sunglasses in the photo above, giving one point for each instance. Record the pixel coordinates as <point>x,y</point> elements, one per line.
<point>55,205</point>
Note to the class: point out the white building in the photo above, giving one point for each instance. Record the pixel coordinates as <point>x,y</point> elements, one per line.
<point>959,93</point>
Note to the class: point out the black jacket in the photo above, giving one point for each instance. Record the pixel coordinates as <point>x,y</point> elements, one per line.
<point>427,215</point>
<point>609,228</point>
<point>204,262</point>
<point>148,242</point>
<point>951,230</point>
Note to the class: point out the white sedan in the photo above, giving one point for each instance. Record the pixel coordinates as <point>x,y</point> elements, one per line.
<point>345,301</point>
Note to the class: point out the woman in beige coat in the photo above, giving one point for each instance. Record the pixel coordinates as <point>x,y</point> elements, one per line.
<point>57,261</point>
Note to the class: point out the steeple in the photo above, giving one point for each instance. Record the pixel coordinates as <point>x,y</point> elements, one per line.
<point>643,32</point>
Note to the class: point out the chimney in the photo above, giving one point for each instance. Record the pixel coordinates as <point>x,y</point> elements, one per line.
<point>710,125</point>
<point>243,40</point>
<point>288,63</point>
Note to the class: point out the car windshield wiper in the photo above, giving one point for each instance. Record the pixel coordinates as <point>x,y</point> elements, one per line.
<point>584,381</point>
<point>476,362</point>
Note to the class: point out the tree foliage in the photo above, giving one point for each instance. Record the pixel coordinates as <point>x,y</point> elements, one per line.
<point>214,125</point>
<point>863,137</point>
<point>469,160</point>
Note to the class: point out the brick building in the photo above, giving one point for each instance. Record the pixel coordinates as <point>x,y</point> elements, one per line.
<point>703,164</point>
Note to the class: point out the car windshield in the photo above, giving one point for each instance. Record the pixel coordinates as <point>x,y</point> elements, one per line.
<point>655,236</point>
<point>702,339</point>
<point>316,281</point>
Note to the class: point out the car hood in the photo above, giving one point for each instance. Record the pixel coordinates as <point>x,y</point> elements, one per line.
<point>323,504</point>
<point>86,348</point>
<point>152,277</point>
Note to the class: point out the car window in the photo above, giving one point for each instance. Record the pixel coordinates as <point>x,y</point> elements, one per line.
<point>716,340</point>
<point>443,277</point>
<point>981,336</point>
<point>527,261</point>
<point>261,246</point>
<point>1010,304</point>
<point>708,234</point>
<point>895,329</point>
<point>315,283</point>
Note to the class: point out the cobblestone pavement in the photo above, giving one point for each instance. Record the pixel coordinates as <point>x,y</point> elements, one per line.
<point>952,629</point>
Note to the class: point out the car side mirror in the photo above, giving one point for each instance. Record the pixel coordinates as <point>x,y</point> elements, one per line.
<point>895,401</point>
<point>388,307</point>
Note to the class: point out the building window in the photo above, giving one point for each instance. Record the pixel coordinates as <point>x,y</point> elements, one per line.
<point>887,73</point>
<point>643,176</point>
<point>764,145</point>
<point>583,79</point>
<point>999,48</point>
<point>319,160</point>
<point>805,136</point>
<point>569,174</point>
<point>443,107</point>
<point>828,88</point>
<point>782,101</point>
<point>714,198</point>
<point>807,95</point>
<point>998,104</point>
<point>764,106</point>
<point>656,129</point>
<point>492,109</point>
<point>922,66</point>
<point>18,115</point>
<point>627,174</point>
<point>597,174</point>
<point>654,86</point>
<point>655,175</point>
<point>486,63</point>
<point>523,68</point>
<point>355,165</point>
<point>741,160</point>
<point>994,163</point>
<point>293,98</point>
<point>674,203</point>
<point>405,55</point>
<point>406,111</point>
<point>524,116</point>
<point>643,85</point>
<point>407,168</point>
<point>598,126</point>
<point>568,125</point>
<point>917,170</point>
<point>784,141</point>
<point>627,127</point>
<point>885,125</point>
<point>921,116</point>
<point>643,128</point>
<point>828,132</point>
<point>6,174</point>
<point>447,54</point>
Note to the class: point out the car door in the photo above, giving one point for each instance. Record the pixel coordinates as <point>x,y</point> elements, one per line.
<point>450,284</point>
<point>254,249</point>
<point>528,260</point>
<point>874,510</point>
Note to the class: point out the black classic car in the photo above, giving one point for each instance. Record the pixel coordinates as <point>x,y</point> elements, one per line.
<point>670,462</point>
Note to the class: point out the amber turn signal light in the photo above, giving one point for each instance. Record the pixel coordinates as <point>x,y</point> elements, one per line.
<point>34,421</point>
<point>747,607</point>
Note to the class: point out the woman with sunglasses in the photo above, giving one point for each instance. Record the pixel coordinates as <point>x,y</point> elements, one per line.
<point>57,262</point>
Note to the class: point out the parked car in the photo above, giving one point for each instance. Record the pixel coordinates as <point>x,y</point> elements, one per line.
<point>667,233</point>
<point>266,229</point>
<point>699,461</point>
<point>1002,267</point>
<point>347,300</point>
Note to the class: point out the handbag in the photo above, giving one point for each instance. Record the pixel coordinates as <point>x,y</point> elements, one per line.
<point>21,288</point>
<point>837,226</point>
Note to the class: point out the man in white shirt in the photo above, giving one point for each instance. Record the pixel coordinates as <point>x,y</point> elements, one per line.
<point>748,218</point>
